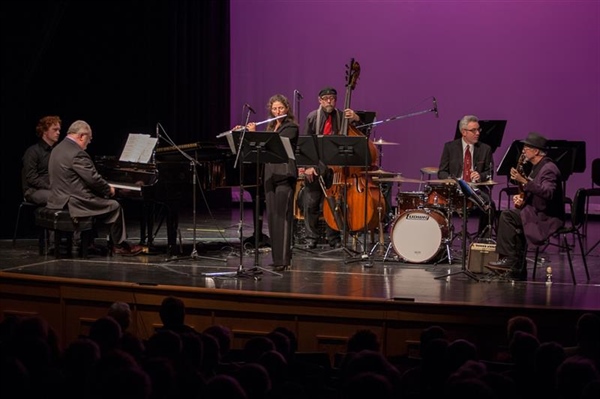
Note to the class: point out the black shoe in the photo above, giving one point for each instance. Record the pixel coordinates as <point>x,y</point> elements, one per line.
<point>503,263</point>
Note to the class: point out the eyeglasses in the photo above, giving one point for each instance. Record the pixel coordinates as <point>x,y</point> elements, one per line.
<point>328,98</point>
<point>474,130</point>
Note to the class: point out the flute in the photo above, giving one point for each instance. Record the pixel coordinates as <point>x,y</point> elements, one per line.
<point>257,124</point>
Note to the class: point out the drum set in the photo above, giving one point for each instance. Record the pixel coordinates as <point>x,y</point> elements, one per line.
<point>420,225</point>
<point>422,230</point>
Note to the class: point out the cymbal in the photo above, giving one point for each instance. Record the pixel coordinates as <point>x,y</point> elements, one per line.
<point>398,179</point>
<point>430,170</point>
<point>441,181</point>
<point>381,172</point>
<point>383,142</point>
<point>485,183</point>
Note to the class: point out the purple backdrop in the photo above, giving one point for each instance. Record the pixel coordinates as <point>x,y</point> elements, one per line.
<point>535,64</point>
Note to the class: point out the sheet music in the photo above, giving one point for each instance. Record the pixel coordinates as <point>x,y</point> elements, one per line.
<point>139,148</point>
<point>288,147</point>
<point>229,138</point>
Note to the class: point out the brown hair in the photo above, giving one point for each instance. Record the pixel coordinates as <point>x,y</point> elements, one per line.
<point>45,123</point>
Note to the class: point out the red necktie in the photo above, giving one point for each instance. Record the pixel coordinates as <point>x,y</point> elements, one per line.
<point>327,129</point>
<point>467,165</point>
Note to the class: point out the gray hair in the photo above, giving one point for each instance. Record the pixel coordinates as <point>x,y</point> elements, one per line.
<point>78,126</point>
<point>466,120</point>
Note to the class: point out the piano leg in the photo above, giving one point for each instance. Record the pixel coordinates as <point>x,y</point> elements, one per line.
<point>147,223</point>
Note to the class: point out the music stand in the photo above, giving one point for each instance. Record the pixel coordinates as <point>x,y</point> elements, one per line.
<point>306,151</point>
<point>492,132</point>
<point>344,151</point>
<point>569,157</point>
<point>257,148</point>
<point>468,193</point>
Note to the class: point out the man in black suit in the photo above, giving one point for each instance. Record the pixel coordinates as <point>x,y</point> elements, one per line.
<point>465,150</point>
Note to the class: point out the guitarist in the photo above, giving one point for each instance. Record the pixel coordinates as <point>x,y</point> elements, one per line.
<point>325,120</point>
<point>539,212</point>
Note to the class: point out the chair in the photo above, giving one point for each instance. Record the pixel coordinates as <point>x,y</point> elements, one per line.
<point>23,204</point>
<point>510,191</point>
<point>593,192</point>
<point>577,220</point>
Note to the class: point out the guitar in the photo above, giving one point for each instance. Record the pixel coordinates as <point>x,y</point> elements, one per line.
<point>521,170</point>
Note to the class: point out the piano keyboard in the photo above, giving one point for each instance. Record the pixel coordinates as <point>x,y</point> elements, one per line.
<point>123,186</point>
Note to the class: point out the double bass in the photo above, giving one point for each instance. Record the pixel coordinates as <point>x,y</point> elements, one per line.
<point>360,198</point>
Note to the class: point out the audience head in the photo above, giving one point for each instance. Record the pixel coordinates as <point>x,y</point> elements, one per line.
<point>172,312</point>
<point>520,323</point>
<point>224,386</point>
<point>223,335</point>
<point>363,340</point>
<point>121,312</point>
<point>573,375</point>
<point>255,347</point>
<point>106,332</point>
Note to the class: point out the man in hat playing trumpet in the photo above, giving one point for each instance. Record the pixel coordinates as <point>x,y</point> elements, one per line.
<point>539,209</point>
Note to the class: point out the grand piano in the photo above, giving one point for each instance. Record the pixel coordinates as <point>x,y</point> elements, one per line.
<point>164,183</point>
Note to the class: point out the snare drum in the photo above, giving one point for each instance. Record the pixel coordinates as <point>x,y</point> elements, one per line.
<point>410,200</point>
<point>417,235</point>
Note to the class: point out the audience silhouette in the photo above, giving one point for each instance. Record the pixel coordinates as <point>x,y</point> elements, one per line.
<point>176,362</point>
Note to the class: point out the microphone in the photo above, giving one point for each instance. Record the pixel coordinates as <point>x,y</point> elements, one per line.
<point>297,94</point>
<point>435,109</point>
<point>157,135</point>
<point>250,108</point>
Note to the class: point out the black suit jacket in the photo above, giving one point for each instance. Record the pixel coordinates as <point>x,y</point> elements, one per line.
<point>451,162</point>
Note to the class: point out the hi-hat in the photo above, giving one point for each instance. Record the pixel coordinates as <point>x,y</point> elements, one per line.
<point>430,170</point>
<point>398,179</point>
<point>383,142</point>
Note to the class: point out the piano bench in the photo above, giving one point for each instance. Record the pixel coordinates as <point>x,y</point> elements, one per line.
<point>63,225</point>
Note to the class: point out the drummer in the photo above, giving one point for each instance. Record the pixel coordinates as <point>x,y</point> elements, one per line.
<point>471,160</point>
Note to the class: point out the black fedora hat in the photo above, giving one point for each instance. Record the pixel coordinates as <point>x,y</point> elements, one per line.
<point>535,140</point>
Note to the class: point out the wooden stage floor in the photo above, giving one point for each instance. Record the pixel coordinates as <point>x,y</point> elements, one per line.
<point>217,262</point>
<point>325,296</point>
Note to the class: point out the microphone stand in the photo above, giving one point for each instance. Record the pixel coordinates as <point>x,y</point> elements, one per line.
<point>193,165</point>
<point>398,117</point>
<point>467,193</point>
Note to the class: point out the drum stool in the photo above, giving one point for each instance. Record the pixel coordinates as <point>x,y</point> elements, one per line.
<point>63,225</point>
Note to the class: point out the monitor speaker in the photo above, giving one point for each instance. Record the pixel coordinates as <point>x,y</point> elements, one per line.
<point>480,255</point>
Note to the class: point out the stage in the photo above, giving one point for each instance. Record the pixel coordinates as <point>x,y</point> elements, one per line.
<point>325,295</point>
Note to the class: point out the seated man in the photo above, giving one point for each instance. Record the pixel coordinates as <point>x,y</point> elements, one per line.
<point>36,182</point>
<point>469,159</point>
<point>325,120</point>
<point>76,185</point>
<point>539,209</point>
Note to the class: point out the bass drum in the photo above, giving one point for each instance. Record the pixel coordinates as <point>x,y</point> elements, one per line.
<point>417,234</point>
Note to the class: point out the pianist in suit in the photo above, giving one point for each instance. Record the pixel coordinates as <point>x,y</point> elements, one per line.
<point>75,184</point>
<point>280,183</point>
